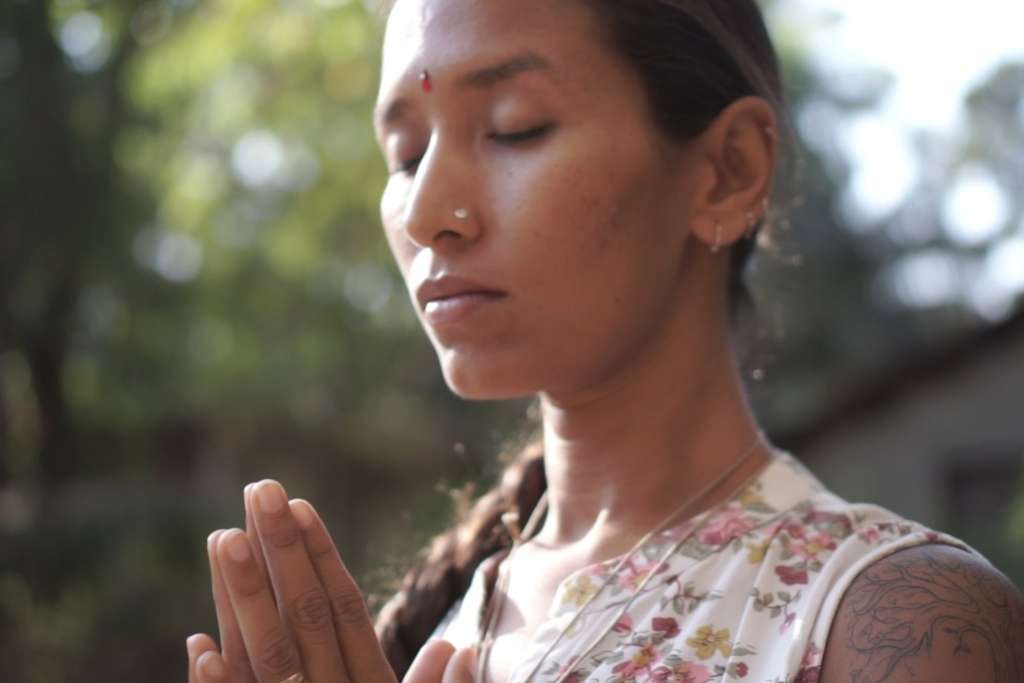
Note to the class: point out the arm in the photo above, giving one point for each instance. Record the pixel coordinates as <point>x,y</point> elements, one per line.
<point>931,613</point>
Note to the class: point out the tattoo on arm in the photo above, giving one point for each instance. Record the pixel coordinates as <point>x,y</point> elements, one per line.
<point>928,613</point>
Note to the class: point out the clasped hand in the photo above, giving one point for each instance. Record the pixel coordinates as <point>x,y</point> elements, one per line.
<point>288,609</point>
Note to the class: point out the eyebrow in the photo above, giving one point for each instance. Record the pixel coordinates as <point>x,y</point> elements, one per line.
<point>478,79</point>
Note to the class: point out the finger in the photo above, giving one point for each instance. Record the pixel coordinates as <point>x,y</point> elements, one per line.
<point>430,663</point>
<point>232,645</point>
<point>211,668</point>
<point>251,532</point>
<point>360,648</point>
<point>301,598</point>
<point>461,667</point>
<point>195,646</point>
<point>272,653</point>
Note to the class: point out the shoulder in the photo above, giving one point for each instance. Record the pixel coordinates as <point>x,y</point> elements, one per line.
<point>927,613</point>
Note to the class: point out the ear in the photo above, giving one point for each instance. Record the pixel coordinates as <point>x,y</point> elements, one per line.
<point>737,166</point>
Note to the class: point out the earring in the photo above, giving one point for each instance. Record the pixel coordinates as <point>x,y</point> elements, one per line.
<point>718,239</point>
<point>461,214</point>
<point>425,82</point>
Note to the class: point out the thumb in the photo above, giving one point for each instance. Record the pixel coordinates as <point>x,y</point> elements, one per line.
<point>461,667</point>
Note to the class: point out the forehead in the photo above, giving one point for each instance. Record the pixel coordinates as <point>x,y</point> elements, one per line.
<point>450,34</point>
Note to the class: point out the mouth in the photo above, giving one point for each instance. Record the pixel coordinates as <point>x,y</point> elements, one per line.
<point>459,307</point>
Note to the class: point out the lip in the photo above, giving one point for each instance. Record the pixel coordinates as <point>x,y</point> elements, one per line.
<point>448,286</point>
<point>454,309</point>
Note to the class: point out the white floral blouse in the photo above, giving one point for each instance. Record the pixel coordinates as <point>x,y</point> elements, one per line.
<point>749,596</point>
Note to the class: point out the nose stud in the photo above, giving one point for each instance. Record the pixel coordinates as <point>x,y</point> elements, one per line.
<point>461,214</point>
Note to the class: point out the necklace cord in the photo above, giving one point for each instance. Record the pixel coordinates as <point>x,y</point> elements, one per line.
<point>495,608</point>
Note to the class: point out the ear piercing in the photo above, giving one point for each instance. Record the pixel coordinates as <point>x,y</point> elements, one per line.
<point>425,82</point>
<point>461,214</point>
<point>751,224</point>
<point>718,239</point>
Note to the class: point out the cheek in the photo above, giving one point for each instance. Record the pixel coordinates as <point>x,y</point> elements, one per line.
<point>586,214</point>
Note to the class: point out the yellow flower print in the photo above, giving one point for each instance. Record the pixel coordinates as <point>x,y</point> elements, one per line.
<point>750,496</point>
<point>707,640</point>
<point>579,592</point>
<point>757,552</point>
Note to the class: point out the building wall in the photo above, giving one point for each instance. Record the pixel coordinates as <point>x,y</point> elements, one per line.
<point>947,451</point>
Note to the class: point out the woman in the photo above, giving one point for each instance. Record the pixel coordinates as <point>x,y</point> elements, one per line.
<point>575,188</point>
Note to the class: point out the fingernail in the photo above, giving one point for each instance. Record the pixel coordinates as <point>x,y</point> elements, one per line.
<point>212,538</point>
<point>238,547</point>
<point>211,666</point>
<point>271,498</point>
<point>303,513</point>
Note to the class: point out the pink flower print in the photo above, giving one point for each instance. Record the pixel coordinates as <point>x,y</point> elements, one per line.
<point>810,545</point>
<point>641,662</point>
<point>787,622</point>
<point>794,529</point>
<point>682,672</point>
<point>791,576</point>
<point>810,675</point>
<point>624,625</point>
<point>742,670</point>
<point>869,535</point>
<point>632,575</point>
<point>811,656</point>
<point>666,625</point>
<point>725,526</point>
<point>772,529</point>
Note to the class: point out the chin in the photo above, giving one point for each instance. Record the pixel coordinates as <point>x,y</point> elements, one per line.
<point>473,380</point>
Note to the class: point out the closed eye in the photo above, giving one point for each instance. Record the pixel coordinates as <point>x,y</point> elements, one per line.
<point>520,136</point>
<point>517,137</point>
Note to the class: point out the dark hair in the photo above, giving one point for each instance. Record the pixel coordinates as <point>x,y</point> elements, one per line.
<point>695,57</point>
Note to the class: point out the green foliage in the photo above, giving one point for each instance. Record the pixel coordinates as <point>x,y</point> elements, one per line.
<point>195,293</point>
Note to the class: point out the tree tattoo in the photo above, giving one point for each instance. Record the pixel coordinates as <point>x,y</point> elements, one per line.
<point>923,614</point>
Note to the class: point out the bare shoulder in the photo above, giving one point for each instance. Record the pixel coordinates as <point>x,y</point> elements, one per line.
<point>929,613</point>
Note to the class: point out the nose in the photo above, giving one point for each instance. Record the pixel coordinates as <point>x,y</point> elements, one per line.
<point>439,208</point>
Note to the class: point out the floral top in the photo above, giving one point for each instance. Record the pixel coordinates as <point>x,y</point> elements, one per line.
<point>749,594</point>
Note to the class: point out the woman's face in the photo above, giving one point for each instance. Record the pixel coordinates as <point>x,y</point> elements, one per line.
<point>576,205</point>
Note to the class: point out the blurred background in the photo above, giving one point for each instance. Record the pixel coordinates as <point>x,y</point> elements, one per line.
<point>195,293</point>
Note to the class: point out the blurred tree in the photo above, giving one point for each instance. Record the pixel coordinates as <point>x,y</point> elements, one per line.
<point>59,179</point>
<point>195,293</point>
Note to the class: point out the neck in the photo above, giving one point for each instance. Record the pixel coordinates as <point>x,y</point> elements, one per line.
<point>618,459</point>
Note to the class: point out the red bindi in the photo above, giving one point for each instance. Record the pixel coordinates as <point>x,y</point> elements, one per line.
<point>425,81</point>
